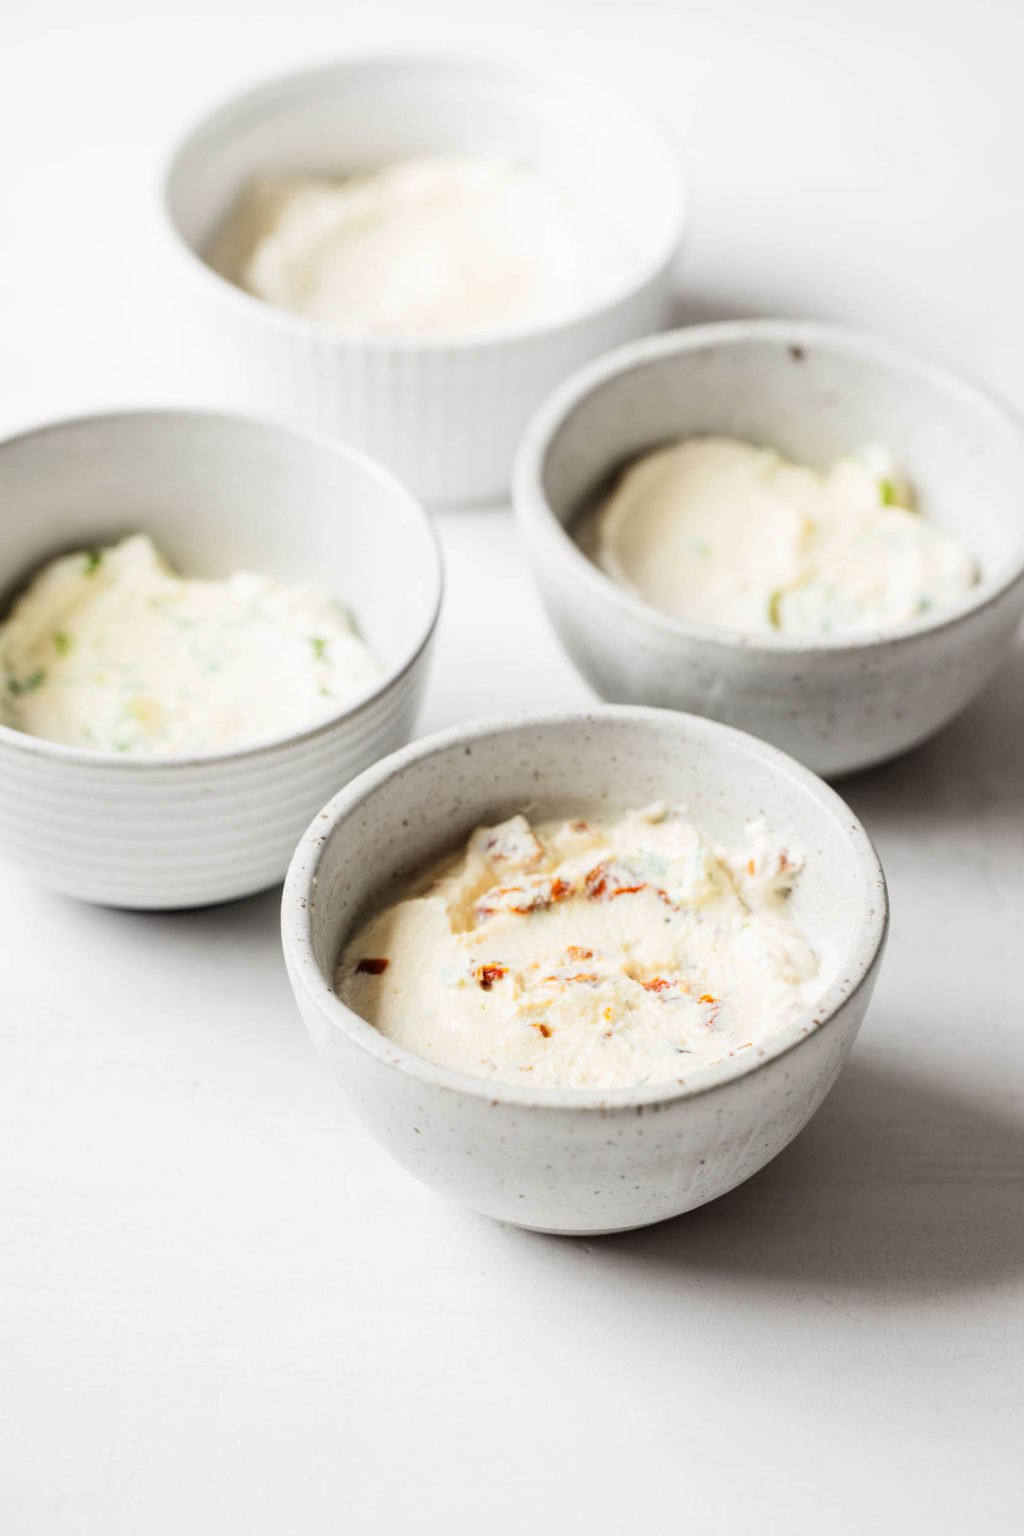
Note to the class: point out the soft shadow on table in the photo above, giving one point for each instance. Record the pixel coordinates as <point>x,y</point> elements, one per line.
<point>898,1186</point>
<point>254,921</point>
<point>973,767</point>
<point>693,306</point>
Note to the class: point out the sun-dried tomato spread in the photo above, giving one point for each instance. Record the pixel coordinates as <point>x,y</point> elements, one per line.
<point>583,954</point>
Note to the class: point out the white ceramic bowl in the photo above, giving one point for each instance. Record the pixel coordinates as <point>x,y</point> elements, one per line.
<point>217,494</point>
<point>445,416</point>
<point>583,1161</point>
<point>814,392</point>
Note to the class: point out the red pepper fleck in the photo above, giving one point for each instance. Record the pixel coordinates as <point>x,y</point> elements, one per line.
<point>576,953</point>
<point>545,1030</point>
<point>487,975</point>
<point>706,997</point>
<point>372,967</point>
<point>656,984</point>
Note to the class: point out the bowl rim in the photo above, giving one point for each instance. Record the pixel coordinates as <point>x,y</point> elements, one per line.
<point>537,518</point>
<point>299,899</point>
<point>678,196</point>
<point>412,510</point>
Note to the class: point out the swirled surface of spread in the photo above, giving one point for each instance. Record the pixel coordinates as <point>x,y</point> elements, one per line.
<point>581,954</point>
<point>109,649</point>
<point>440,246</point>
<point>718,531</point>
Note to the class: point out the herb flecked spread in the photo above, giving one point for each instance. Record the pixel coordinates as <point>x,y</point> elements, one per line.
<point>109,649</point>
<point>721,532</point>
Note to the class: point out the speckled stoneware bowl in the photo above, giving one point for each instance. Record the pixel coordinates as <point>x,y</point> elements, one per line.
<point>815,392</point>
<point>217,494</point>
<point>586,1160</point>
<point>445,413</point>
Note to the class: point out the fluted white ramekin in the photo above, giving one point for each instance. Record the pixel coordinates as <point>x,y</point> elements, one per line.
<point>837,702</point>
<point>444,415</point>
<point>581,1160</point>
<point>217,494</point>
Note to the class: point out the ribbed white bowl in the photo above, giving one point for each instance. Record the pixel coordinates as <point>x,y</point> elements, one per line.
<point>445,416</point>
<point>217,494</point>
<point>837,702</point>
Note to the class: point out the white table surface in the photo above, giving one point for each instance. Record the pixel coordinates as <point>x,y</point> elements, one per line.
<point>222,1309</point>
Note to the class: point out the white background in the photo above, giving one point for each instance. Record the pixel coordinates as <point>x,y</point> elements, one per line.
<point>223,1310</point>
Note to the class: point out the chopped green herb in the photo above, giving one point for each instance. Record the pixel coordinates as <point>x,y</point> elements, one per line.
<point>319,645</point>
<point>31,683</point>
<point>63,642</point>
<point>887,493</point>
<point>774,614</point>
<point>93,561</point>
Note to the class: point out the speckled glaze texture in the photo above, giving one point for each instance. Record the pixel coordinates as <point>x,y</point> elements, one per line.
<point>217,494</point>
<point>584,1161</point>
<point>446,417</point>
<point>814,392</point>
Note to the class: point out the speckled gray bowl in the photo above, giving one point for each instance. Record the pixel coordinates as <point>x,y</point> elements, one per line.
<point>814,392</point>
<point>581,1160</point>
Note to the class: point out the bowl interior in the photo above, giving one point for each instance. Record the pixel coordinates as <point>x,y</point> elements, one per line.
<point>398,819</point>
<point>355,116</point>
<point>814,395</point>
<point>220,494</point>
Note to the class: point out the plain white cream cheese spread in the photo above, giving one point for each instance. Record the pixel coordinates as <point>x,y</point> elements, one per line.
<point>110,649</point>
<point>435,246</point>
<point>721,532</point>
<point>583,954</point>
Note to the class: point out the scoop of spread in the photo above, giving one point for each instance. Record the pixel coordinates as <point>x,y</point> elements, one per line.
<point>444,246</point>
<point>109,649</point>
<point>580,954</point>
<point>720,532</point>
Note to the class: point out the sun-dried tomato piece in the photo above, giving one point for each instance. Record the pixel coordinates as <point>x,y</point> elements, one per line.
<point>522,899</point>
<point>606,881</point>
<point>487,975</point>
<point>372,967</point>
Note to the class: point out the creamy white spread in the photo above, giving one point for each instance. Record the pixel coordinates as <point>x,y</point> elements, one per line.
<point>590,954</point>
<point>442,245</point>
<point>721,532</point>
<point>110,649</point>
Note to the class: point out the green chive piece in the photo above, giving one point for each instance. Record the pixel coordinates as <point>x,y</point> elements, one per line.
<point>63,642</point>
<point>31,683</point>
<point>319,645</point>
<point>93,561</point>
<point>887,493</point>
